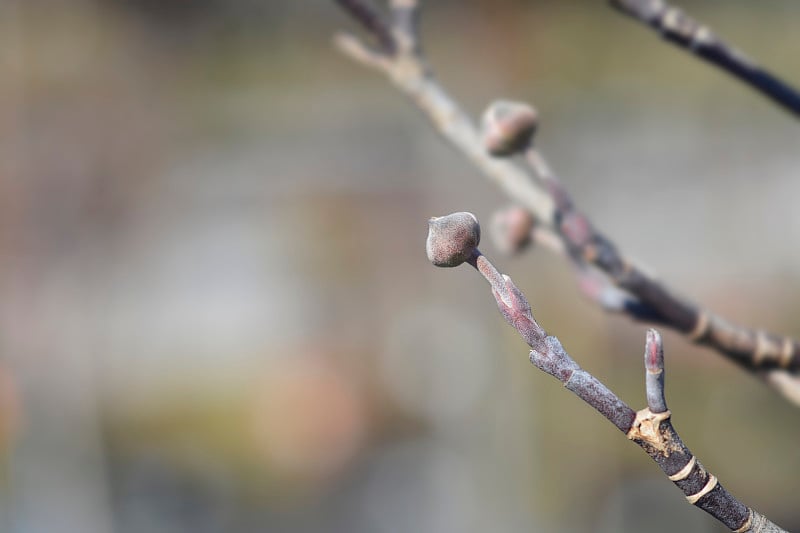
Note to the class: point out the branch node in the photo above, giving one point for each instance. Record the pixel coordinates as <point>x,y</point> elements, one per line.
<point>747,523</point>
<point>646,427</point>
<point>670,17</point>
<point>703,36</point>
<point>684,472</point>
<point>709,486</point>
<point>700,328</point>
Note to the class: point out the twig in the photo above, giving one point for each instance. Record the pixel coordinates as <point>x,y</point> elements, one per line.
<point>371,21</point>
<point>754,350</point>
<point>405,20</point>
<point>775,358</point>
<point>411,75</point>
<point>683,31</point>
<point>454,237</point>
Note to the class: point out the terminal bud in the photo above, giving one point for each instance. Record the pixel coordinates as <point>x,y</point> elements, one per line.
<point>452,239</point>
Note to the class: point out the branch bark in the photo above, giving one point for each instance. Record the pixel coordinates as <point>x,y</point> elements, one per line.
<point>774,358</point>
<point>650,428</point>
<point>674,25</point>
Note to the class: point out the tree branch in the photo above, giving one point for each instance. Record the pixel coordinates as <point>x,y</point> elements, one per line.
<point>757,351</point>
<point>372,23</point>
<point>775,358</point>
<point>685,32</point>
<point>454,237</point>
<point>412,76</point>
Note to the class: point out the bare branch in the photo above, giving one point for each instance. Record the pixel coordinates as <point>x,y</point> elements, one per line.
<point>773,357</point>
<point>650,428</point>
<point>405,19</point>
<point>372,22</point>
<point>352,47</point>
<point>683,31</point>
<point>411,75</point>
<point>755,350</point>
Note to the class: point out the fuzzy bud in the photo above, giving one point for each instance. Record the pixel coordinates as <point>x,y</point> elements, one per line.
<point>508,127</point>
<point>511,229</point>
<point>452,239</point>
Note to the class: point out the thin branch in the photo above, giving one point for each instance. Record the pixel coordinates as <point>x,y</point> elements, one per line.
<point>405,20</point>
<point>682,30</point>
<point>754,350</point>
<point>411,75</point>
<point>353,47</point>
<point>371,20</point>
<point>773,357</point>
<point>650,428</point>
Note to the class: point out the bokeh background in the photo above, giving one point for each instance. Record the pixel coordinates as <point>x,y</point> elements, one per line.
<point>217,314</point>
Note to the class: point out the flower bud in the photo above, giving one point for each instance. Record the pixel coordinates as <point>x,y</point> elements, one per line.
<point>508,127</point>
<point>511,229</point>
<point>452,239</point>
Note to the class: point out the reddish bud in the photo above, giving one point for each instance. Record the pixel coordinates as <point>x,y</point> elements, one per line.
<point>452,239</point>
<point>511,229</point>
<point>508,127</point>
<point>654,352</point>
<point>654,377</point>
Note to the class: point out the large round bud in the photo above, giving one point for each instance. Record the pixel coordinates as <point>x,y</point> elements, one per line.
<point>508,127</point>
<point>452,239</point>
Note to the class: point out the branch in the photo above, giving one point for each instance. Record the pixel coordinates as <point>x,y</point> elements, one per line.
<point>371,21</point>
<point>453,240</point>
<point>775,358</point>
<point>754,350</point>
<point>683,31</point>
<point>408,71</point>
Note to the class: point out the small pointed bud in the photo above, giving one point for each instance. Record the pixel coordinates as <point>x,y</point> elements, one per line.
<point>508,127</point>
<point>654,377</point>
<point>452,239</point>
<point>654,352</point>
<point>511,229</point>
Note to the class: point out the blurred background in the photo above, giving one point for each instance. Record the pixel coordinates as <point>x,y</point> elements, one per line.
<point>217,314</point>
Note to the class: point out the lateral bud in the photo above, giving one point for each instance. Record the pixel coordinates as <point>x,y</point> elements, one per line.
<point>511,229</point>
<point>508,127</point>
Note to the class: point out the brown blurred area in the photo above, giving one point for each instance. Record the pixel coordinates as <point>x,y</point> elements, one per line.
<point>216,311</point>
